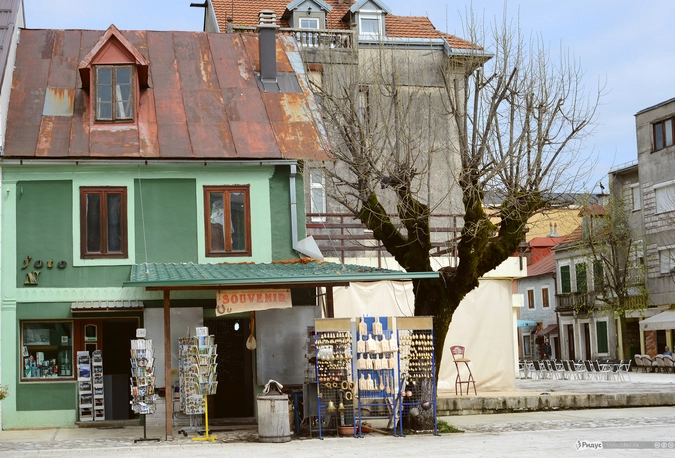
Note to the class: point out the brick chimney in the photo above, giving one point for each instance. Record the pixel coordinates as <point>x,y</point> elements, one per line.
<point>267,45</point>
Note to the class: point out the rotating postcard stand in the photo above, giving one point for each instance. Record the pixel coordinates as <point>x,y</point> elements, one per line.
<point>143,380</point>
<point>203,350</point>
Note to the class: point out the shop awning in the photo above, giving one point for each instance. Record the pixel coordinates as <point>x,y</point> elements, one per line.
<point>99,306</point>
<point>290,273</point>
<point>547,330</point>
<point>526,323</point>
<point>664,320</point>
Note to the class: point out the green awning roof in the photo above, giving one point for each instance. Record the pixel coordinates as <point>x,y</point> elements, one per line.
<point>280,273</point>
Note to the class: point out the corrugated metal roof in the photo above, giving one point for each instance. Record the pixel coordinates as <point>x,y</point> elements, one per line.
<point>202,102</point>
<point>189,274</point>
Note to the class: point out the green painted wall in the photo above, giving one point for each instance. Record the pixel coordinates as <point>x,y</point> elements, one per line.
<point>46,396</point>
<point>44,231</point>
<point>169,210</point>
<point>280,209</point>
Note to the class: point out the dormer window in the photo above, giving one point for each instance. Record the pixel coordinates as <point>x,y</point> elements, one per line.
<point>114,93</point>
<point>370,24</point>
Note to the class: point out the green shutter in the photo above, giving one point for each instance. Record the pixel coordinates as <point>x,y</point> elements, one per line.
<point>565,283</point>
<point>601,328</point>
<point>581,278</point>
<point>598,278</point>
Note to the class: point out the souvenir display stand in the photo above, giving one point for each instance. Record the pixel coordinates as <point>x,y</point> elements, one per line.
<point>417,369</point>
<point>201,377</point>
<point>376,364</point>
<point>336,390</point>
<point>143,379</point>
<point>191,402</point>
<point>84,386</point>
<point>97,379</point>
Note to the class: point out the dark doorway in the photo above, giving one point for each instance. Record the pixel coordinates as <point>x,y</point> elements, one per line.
<point>116,339</point>
<point>570,341</point>
<point>587,341</point>
<point>234,397</point>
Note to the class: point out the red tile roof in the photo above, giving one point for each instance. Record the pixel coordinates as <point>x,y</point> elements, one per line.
<point>545,265</point>
<point>203,101</point>
<point>245,13</point>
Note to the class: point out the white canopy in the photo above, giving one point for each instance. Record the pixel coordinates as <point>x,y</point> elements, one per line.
<point>664,320</point>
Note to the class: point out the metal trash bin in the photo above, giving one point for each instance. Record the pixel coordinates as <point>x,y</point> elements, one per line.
<point>273,423</point>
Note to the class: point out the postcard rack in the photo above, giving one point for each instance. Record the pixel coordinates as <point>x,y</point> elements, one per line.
<point>417,395</point>
<point>97,379</point>
<point>333,341</point>
<point>191,402</point>
<point>200,376</point>
<point>376,364</point>
<point>84,387</point>
<point>143,396</point>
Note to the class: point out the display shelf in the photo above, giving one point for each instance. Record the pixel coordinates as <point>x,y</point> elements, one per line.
<point>143,396</point>
<point>417,368</point>
<point>376,366</point>
<point>97,382</point>
<point>333,341</point>
<point>85,397</point>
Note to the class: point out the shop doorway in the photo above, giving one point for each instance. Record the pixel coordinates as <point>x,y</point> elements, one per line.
<point>234,397</point>
<point>570,341</point>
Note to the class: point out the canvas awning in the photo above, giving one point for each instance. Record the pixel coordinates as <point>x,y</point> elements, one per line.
<point>547,330</point>
<point>664,320</point>
<point>526,324</point>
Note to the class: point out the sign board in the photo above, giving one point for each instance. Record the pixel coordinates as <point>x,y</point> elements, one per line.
<point>140,333</point>
<point>237,301</point>
<point>202,331</point>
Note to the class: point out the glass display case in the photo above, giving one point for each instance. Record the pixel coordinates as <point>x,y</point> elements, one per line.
<point>46,350</point>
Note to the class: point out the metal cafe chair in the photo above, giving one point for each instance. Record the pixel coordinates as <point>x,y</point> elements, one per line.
<point>458,357</point>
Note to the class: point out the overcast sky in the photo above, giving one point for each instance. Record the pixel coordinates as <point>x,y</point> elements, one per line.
<point>625,42</point>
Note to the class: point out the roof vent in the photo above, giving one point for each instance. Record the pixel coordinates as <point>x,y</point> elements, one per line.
<point>267,45</point>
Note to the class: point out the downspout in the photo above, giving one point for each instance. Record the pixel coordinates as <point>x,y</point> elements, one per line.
<point>306,246</point>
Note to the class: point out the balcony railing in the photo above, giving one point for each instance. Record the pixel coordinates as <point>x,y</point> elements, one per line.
<point>587,302</point>
<point>328,38</point>
<point>340,235</point>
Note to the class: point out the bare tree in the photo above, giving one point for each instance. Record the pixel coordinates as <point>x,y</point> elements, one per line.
<point>414,132</point>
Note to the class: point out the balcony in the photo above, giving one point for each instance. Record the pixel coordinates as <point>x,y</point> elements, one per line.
<point>582,302</point>
<point>341,235</point>
<point>309,38</point>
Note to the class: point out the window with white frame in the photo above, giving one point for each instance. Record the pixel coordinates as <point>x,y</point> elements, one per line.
<point>317,194</point>
<point>665,197</point>
<point>666,259</point>
<point>635,197</point>
<point>544,297</point>
<point>309,23</point>
<point>370,24</point>
<point>530,298</point>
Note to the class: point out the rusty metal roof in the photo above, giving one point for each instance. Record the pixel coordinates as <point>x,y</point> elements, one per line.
<point>202,101</point>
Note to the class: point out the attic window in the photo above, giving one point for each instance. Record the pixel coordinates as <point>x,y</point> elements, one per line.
<point>114,93</point>
<point>370,24</point>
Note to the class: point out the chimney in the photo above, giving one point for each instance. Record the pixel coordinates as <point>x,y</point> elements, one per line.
<point>550,229</point>
<point>555,230</point>
<point>267,45</point>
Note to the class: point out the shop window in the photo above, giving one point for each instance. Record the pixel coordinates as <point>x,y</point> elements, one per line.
<point>228,221</point>
<point>103,222</point>
<point>46,350</point>
<point>114,93</point>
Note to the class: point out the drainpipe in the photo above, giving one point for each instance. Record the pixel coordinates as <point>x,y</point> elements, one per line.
<point>306,246</point>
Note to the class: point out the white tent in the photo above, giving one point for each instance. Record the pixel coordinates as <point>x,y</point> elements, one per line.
<point>664,320</point>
